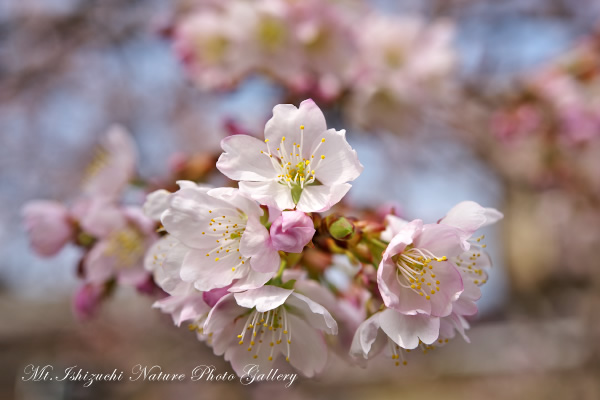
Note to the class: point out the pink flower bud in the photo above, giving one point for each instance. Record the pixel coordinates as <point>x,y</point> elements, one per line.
<point>48,225</point>
<point>87,300</point>
<point>292,231</point>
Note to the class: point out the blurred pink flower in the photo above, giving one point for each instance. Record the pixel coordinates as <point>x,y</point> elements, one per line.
<point>87,300</point>
<point>122,241</point>
<point>402,65</point>
<point>113,166</point>
<point>48,225</point>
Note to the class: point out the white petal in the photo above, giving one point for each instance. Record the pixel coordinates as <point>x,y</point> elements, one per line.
<point>156,203</point>
<point>256,243</point>
<point>308,351</point>
<point>164,260</point>
<point>242,159</point>
<point>319,198</point>
<point>234,197</point>
<point>340,164</point>
<point>264,299</point>
<point>315,314</point>
<point>393,226</point>
<point>287,119</point>
<point>206,273</point>
<point>271,193</point>
<point>188,216</point>
<point>252,280</point>
<point>364,338</point>
<point>470,216</point>
<point>407,330</point>
<point>220,320</point>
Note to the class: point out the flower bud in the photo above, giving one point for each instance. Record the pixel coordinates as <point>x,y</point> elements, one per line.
<point>291,231</point>
<point>340,228</point>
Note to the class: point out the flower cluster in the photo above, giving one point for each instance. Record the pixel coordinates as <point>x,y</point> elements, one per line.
<point>388,68</point>
<point>114,237</point>
<point>561,99</point>
<point>261,276</point>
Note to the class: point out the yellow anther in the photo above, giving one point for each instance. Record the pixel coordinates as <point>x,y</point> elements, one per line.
<point>266,140</point>
<point>217,259</point>
<point>323,140</point>
<point>322,157</point>
<point>270,358</point>
<point>233,268</point>
<point>241,342</point>
<point>428,297</point>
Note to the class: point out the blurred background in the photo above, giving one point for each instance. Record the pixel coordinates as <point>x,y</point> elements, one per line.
<point>513,123</point>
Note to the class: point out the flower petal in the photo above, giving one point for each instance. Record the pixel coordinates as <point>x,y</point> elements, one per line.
<point>48,225</point>
<point>264,299</point>
<point>470,216</point>
<point>287,119</point>
<point>314,313</point>
<point>319,198</point>
<point>340,164</point>
<point>206,273</point>
<point>245,159</point>
<point>363,343</point>
<point>441,240</point>
<point>256,243</point>
<point>407,330</point>
<point>270,193</point>
<point>308,351</point>
<point>252,280</point>
<point>188,216</point>
<point>393,225</point>
<point>234,197</point>
<point>156,203</point>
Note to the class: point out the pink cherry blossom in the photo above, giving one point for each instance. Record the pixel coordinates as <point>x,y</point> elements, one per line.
<point>223,241</point>
<point>302,165</point>
<point>415,275</point>
<point>113,166</point>
<point>270,322</point>
<point>291,231</point>
<point>123,235</point>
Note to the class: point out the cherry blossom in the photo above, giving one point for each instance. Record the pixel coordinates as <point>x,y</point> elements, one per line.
<point>302,165</point>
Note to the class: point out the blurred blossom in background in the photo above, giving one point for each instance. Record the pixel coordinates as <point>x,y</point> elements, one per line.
<point>496,102</point>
